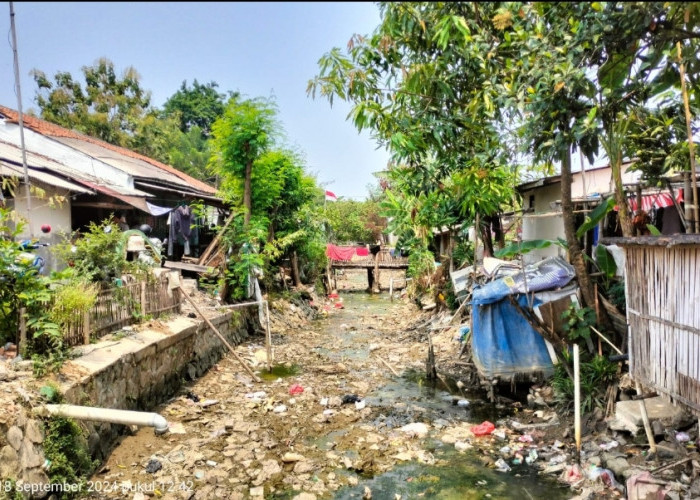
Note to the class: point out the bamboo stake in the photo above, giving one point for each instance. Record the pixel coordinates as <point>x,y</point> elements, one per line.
<point>577,403</point>
<point>600,335</point>
<point>216,331</point>
<point>645,419</point>
<point>691,145</point>
<point>86,327</point>
<point>268,338</point>
<point>22,331</point>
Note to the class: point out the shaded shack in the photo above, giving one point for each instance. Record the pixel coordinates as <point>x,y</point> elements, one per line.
<point>662,281</point>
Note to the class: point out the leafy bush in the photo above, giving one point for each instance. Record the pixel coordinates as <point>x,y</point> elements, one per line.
<point>595,374</point>
<point>577,322</point>
<point>95,255</point>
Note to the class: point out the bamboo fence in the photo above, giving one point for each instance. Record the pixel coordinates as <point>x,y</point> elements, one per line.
<point>121,306</point>
<point>663,312</point>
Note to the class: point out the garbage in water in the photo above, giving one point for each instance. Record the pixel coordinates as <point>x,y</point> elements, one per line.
<point>483,429</point>
<point>279,409</point>
<point>572,474</point>
<point>531,457</point>
<point>351,398</point>
<point>153,466</point>
<point>605,475</point>
<point>417,429</point>
<point>323,402</point>
<point>208,402</point>
<point>525,438</point>
<point>295,389</point>
<point>609,446</point>
<point>502,466</point>
<point>463,403</point>
<point>193,397</point>
<point>359,405</point>
<point>682,437</point>
<point>500,434</point>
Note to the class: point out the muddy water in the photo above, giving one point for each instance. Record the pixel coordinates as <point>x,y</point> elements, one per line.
<point>412,398</point>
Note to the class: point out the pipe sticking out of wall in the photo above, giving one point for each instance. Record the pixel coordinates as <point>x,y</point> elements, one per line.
<point>125,417</point>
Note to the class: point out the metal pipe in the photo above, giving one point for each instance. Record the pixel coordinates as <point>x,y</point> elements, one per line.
<point>125,417</point>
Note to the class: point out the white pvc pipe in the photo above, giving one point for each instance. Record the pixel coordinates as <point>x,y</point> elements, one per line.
<point>577,402</point>
<point>125,417</point>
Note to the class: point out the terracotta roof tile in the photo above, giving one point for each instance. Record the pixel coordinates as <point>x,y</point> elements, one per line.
<point>51,129</point>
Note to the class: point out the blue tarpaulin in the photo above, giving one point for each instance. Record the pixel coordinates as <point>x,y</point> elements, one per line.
<point>503,342</point>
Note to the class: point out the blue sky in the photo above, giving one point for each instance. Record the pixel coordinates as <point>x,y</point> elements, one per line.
<point>260,49</point>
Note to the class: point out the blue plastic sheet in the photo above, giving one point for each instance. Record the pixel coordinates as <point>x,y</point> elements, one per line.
<point>547,274</point>
<point>504,344</point>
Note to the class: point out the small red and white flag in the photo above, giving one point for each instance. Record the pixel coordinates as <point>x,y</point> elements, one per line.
<point>330,196</point>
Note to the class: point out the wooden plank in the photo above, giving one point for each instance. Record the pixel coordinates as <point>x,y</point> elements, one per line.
<point>186,266</point>
<point>215,242</point>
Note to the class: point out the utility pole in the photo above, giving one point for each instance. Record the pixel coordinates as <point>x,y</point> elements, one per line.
<point>21,120</point>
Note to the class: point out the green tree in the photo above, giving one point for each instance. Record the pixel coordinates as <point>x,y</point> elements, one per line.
<point>274,199</point>
<point>425,83</point>
<point>198,106</point>
<point>244,132</point>
<point>109,107</point>
<point>354,221</point>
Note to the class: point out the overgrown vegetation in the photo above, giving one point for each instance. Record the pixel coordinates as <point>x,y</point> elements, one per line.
<point>596,373</point>
<point>275,202</point>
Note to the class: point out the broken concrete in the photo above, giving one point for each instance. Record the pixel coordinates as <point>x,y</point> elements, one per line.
<point>628,414</point>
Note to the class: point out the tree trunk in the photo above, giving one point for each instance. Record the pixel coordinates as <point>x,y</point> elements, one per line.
<point>295,270</point>
<point>497,226</point>
<point>620,198</point>
<point>485,229</point>
<point>247,200</point>
<point>575,252</point>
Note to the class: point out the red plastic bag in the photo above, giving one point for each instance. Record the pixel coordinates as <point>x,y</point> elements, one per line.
<point>296,389</point>
<point>483,429</point>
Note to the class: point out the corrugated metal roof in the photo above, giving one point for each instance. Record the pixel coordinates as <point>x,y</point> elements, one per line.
<point>9,170</point>
<point>135,166</point>
<point>56,131</point>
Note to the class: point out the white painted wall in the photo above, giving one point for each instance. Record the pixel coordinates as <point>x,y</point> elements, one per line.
<point>58,217</point>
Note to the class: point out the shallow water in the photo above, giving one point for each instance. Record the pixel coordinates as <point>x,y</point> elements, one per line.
<point>413,398</point>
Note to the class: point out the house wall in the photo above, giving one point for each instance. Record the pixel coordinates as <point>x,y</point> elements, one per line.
<point>42,212</point>
<point>544,223</point>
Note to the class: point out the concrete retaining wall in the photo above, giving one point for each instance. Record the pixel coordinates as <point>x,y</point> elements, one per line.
<point>137,372</point>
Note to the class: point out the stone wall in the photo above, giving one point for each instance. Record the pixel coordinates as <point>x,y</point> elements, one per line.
<point>137,372</point>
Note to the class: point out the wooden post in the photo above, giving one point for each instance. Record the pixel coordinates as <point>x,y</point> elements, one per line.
<point>268,338</point>
<point>143,298</point>
<point>86,327</point>
<point>645,420</point>
<point>377,286</point>
<point>577,403</point>
<point>22,347</point>
<point>216,331</point>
